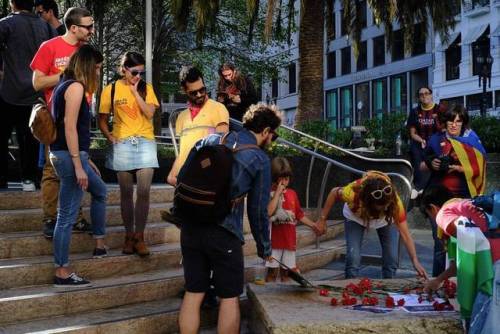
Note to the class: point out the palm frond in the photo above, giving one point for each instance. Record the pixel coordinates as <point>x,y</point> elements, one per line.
<point>180,10</point>
<point>268,27</point>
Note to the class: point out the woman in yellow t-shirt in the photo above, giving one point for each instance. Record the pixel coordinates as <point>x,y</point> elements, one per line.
<point>133,145</point>
<point>372,202</point>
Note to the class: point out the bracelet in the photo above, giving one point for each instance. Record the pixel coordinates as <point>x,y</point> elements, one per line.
<point>74,155</point>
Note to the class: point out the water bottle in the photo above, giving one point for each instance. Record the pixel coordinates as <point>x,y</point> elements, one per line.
<point>399,142</point>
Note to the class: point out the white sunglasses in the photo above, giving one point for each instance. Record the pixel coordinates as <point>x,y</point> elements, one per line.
<point>379,193</point>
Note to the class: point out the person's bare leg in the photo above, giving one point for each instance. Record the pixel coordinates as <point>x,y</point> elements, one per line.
<point>229,316</point>
<point>189,316</point>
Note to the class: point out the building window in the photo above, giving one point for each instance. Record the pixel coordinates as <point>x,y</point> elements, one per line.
<point>274,88</point>
<point>419,45</point>
<point>473,102</point>
<point>379,97</point>
<point>346,60</point>
<point>345,107</point>
<point>289,118</point>
<point>399,97</point>
<point>497,99</point>
<point>362,17</point>
<point>292,78</point>
<point>398,45</point>
<point>480,47</point>
<point>361,63</point>
<point>452,101</point>
<point>379,51</point>
<point>343,24</point>
<point>332,108</point>
<point>332,34</point>
<point>418,78</point>
<point>331,65</point>
<point>362,104</point>
<point>453,57</point>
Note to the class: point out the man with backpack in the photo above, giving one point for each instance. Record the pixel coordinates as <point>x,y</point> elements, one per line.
<point>21,33</point>
<point>47,65</point>
<point>217,245</point>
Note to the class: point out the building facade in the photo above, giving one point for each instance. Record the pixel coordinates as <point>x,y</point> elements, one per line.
<point>386,81</point>
<point>455,72</point>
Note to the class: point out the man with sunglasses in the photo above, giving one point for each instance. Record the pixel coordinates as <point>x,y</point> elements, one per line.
<point>48,65</point>
<point>203,116</point>
<point>218,246</point>
<point>48,11</point>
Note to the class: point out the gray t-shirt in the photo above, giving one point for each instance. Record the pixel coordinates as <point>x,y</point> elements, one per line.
<point>20,37</point>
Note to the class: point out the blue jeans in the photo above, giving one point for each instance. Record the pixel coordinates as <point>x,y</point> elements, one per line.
<point>439,259</point>
<point>70,197</point>
<point>420,178</point>
<point>485,317</point>
<point>354,234</point>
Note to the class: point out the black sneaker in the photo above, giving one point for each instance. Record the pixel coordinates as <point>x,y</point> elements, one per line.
<point>99,253</point>
<point>82,226</point>
<point>73,281</point>
<point>48,229</point>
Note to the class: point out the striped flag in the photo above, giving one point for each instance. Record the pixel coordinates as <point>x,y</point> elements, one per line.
<point>472,157</point>
<point>474,265</point>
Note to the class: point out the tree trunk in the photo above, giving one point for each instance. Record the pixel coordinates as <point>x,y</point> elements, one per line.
<point>311,42</point>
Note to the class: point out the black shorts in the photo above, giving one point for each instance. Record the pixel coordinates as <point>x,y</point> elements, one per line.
<point>212,247</point>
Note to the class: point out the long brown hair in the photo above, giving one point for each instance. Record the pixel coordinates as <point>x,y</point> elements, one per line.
<point>238,80</point>
<point>371,207</point>
<point>82,67</point>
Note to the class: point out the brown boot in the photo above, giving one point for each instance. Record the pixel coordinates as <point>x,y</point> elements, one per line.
<point>128,246</point>
<point>140,246</point>
<point>272,274</point>
<point>284,275</point>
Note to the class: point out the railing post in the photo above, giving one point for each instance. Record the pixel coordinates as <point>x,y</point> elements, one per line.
<point>321,193</point>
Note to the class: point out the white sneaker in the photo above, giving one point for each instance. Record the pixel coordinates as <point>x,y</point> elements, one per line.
<point>28,185</point>
<point>414,193</point>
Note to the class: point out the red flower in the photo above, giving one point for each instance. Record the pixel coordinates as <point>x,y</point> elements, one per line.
<point>353,301</point>
<point>389,301</point>
<point>406,291</point>
<point>439,307</point>
<point>366,301</point>
<point>323,292</point>
<point>401,302</point>
<point>333,301</point>
<point>365,284</point>
<point>373,301</point>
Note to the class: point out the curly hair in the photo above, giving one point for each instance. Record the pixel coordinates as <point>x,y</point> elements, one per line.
<point>260,116</point>
<point>371,207</point>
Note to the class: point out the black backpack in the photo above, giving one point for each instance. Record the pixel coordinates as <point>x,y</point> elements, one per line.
<point>203,190</point>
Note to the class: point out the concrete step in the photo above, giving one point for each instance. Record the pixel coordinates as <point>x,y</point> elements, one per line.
<point>22,220</point>
<point>27,244</point>
<point>11,200</point>
<point>39,270</point>
<point>155,309</point>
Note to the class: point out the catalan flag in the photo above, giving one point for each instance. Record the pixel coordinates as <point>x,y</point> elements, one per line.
<point>472,157</point>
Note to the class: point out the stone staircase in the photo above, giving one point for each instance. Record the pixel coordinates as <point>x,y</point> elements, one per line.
<point>128,294</point>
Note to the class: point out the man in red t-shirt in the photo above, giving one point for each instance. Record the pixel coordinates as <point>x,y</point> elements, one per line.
<point>48,65</point>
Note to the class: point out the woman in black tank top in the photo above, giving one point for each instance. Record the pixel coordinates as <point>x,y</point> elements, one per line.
<point>69,155</point>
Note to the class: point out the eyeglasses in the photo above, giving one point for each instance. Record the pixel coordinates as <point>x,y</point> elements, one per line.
<point>202,91</point>
<point>134,73</point>
<point>88,27</point>
<point>424,94</point>
<point>379,193</point>
<point>275,135</point>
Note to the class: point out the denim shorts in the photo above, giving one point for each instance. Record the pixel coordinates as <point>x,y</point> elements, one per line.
<point>132,153</point>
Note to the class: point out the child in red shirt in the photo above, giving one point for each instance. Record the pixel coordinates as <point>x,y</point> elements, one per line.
<point>284,211</point>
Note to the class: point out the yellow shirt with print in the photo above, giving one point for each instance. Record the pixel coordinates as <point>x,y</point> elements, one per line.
<point>128,119</point>
<point>190,130</point>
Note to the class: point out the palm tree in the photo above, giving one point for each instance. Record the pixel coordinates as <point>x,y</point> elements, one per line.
<point>313,14</point>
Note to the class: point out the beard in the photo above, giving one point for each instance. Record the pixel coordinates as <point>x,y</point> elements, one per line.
<point>197,101</point>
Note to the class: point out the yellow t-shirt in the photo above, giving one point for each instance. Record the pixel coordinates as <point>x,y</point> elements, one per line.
<point>190,130</point>
<point>128,119</point>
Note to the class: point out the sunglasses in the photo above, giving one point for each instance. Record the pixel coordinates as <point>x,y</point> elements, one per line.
<point>379,193</point>
<point>88,27</point>
<point>135,72</point>
<point>202,91</point>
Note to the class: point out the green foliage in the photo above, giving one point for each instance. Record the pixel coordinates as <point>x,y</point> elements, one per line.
<point>488,130</point>
<point>340,137</point>
<point>166,151</point>
<point>385,130</point>
<point>317,128</point>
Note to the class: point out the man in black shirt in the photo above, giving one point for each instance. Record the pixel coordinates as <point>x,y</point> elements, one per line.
<point>48,11</point>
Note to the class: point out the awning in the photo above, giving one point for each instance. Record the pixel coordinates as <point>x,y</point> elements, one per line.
<point>496,33</point>
<point>452,38</point>
<point>474,33</point>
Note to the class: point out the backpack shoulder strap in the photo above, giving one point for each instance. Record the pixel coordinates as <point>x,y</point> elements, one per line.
<point>112,98</point>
